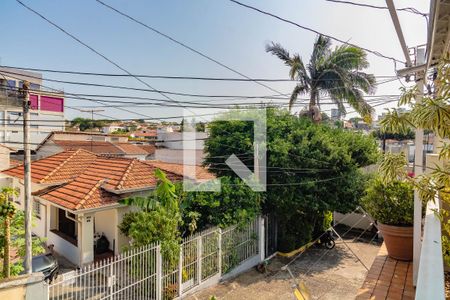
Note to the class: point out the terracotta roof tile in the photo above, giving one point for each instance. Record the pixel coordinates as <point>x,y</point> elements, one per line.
<point>131,148</point>
<point>84,180</point>
<point>150,149</point>
<point>200,172</point>
<point>97,147</point>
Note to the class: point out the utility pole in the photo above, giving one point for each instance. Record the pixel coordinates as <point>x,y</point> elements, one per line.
<point>92,111</point>
<point>27,175</point>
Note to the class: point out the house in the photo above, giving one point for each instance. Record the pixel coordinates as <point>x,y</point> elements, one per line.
<point>98,143</point>
<point>110,128</point>
<point>46,112</point>
<point>171,147</point>
<point>145,135</point>
<point>5,157</point>
<point>76,194</point>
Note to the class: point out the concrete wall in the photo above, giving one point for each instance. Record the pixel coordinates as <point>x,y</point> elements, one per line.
<point>27,287</point>
<point>354,220</point>
<point>49,148</point>
<point>64,248</point>
<point>176,156</point>
<point>121,240</point>
<point>106,222</point>
<point>177,138</point>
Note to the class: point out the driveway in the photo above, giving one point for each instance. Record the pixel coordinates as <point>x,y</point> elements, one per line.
<point>328,274</point>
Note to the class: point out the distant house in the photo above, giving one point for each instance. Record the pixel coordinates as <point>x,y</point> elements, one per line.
<point>76,194</point>
<point>171,148</point>
<point>145,134</point>
<point>98,143</point>
<point>113,127</point>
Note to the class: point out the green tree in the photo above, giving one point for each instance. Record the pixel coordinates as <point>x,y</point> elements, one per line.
<point>17,242</point>
<point>158,220</point>
<point>85,124</point>
<point>432,113</point>
<point>336,73</point>
<point>311,168</point>
<point>236,203</point>
<point>7,212</point>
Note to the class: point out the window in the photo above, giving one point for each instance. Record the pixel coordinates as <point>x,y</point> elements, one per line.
<point>35,86</point>
<point>37,209</point>
<point>12,84</point>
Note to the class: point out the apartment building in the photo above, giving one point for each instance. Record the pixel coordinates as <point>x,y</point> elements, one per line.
<point>46,114</point>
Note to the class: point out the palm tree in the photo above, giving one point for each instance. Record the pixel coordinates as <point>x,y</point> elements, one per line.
<point>334,73</point>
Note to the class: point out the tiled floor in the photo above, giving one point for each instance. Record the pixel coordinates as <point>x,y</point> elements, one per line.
<point>387,279</point>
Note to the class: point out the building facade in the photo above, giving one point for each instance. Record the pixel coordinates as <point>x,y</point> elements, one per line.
<point>46,113</point>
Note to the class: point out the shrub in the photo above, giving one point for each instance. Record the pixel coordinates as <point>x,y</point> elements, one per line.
<point>390,203</point>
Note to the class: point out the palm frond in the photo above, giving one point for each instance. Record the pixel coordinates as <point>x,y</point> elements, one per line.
<point>320,49</point>
<point>299,89</point>
<point>392,167</point>
<point>147,203</point>
<point>407,95</point>
<point>433,114</point>
<point>278,50</point>
<point>298,70</point>
<point>396,122</point>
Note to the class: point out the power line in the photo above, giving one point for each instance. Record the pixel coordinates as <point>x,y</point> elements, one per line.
<point>162,76</point>
<point>187,46</point>
<point>314,31</point>
<point>405,9</point>
<point>275,97</point>
<point>96,52</point>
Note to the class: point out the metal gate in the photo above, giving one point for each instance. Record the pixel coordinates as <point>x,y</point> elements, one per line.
<point>271,230</point>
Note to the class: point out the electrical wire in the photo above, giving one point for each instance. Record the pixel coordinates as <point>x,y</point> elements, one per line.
<point>404,9</point>
<point>314,31</point>
<point>161,76</point>
<point>186,46</point>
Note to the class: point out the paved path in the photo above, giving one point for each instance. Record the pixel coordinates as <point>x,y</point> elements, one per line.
<point>333,274</point>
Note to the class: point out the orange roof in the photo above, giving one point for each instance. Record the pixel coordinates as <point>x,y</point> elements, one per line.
<point>149,133</point>
<point>200,172</point>
<point>56,168</point>
<point>131,148</point>
<point>82,179</point>
<point>149,148</point>
<point>100,147</point>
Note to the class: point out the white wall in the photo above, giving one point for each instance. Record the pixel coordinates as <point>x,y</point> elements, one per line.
<point>106,222</point>
<point>176,156</point>
<point>121,239</point>
<point>354,220</point>
<point>177,137</point>
<point>64,248</point>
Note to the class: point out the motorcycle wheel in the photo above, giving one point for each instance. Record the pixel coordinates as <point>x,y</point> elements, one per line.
<point>330,244</point>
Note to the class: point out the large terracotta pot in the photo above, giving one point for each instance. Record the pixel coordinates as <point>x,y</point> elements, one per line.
<point>398,240</point>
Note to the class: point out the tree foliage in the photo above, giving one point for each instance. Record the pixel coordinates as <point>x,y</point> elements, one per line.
<point>431,113</point>
<point>236,203</point>
<point>18,242</point>
<point>311,168</point>
<point>158,219</point>
<point>391,203</point>
<point>336,73</point>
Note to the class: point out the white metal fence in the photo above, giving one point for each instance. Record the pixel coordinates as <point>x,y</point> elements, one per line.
<point>143,273</point>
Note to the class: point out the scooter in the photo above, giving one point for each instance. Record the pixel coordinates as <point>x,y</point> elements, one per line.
<point>327,240</point>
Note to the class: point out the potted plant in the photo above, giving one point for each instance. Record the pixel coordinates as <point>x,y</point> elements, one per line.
<point>391,204</point>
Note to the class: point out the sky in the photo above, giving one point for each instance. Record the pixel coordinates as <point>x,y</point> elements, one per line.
<point>229,33</point>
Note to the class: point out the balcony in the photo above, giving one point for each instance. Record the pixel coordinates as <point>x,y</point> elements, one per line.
<point>393,279</point>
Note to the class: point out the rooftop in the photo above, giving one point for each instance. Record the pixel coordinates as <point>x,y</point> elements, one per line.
<point>79,179</point>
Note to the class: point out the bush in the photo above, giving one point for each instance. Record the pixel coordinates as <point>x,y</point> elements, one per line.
<point>390,203</point>
<point>311,169</point>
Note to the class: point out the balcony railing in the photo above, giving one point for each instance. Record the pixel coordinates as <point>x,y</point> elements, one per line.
<point>430,278</point>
